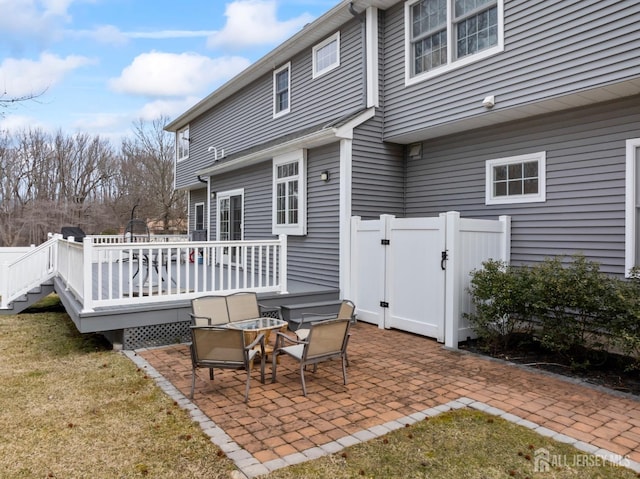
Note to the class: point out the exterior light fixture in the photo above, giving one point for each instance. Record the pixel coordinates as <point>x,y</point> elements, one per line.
<point>324,176</point>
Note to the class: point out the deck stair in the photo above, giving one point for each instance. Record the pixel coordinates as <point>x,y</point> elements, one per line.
<point>29,299</point>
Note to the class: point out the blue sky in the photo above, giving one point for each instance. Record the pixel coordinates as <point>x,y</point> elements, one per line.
<point>103,64</point>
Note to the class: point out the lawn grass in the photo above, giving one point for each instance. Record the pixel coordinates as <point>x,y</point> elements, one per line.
<point>72,408</point>
<point>457,444</point>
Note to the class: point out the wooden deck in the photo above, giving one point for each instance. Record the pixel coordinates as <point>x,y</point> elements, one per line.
<point>115,320</point>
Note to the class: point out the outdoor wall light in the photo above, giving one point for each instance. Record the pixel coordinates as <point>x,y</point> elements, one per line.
<point>324,176</point>
<point>489,101</point>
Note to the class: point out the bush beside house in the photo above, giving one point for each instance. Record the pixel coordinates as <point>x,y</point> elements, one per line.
<point>566,306</point>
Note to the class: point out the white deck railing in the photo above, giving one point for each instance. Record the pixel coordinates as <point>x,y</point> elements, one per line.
<point>23,269</point>
<point>104,271</point>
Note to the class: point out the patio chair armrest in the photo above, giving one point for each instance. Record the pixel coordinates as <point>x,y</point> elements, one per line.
<point>194,317</point>
<point>259,340</point>
<point>265,308</point>
<point>281,337</point>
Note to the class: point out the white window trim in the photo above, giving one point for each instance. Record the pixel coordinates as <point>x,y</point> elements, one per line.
<point>631,193</point>
<point>226,195</point>
<point>540,157</point>
<point>451,63</point>
<point>333,38</point>
<point>180,137</point>
<point>299,229</point>
<point>277,114</point>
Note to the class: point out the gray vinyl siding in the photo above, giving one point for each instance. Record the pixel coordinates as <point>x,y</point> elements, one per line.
<point>377,173</point>
<point>246,119</point>
<point>313,258</point>
<point>585,195</point>
<point>552,48</point>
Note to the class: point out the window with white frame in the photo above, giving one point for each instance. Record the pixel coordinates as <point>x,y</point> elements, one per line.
<point>182,143</point>
<point>444,34</point>
<point>517,179</point>
<point>326,55</point>
<point>282,90</point>
<point>289,194</point>
<point>199,216</point>
<point>632,206</point>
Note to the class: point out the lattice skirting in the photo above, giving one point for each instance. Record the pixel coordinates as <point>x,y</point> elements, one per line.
<point>156,335</point>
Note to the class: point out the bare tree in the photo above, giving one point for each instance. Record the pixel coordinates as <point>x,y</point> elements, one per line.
<point>149,157</point>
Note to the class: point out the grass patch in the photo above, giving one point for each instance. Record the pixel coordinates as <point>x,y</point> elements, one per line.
<point>456,445</point>
<point>72,408</point>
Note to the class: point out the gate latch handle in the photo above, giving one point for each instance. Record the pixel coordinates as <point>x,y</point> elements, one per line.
<point>443,257</point>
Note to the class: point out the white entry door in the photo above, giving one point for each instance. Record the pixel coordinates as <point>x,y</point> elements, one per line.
<point>415,279</point>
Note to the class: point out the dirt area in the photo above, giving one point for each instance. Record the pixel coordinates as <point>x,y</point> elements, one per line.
<point>604,369</point>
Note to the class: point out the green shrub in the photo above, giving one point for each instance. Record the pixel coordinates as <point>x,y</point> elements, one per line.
<point>501,297</point>
<point>574,303</point>
<point>625,326</point>
<point>569,306</point>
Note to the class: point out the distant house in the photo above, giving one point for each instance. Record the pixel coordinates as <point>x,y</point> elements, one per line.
<point>412,108</point>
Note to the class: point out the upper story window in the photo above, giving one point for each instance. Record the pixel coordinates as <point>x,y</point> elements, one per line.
<point>326,55</point>
<point>289,194</point>
<point>445,34</point>
<point>517,179</point>
<point>281,90</point>
<point>182,144</point>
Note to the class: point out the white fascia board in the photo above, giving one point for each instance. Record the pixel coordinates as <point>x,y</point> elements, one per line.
<point>346,131</point>
<point>373,83</point>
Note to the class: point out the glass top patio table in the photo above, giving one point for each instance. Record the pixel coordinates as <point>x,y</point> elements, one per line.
<point>258,324</point>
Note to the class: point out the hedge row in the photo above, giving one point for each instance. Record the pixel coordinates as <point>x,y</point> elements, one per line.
<point>567,304</point>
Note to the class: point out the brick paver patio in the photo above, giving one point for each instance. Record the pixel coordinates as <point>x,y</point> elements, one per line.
<point>393,375</point>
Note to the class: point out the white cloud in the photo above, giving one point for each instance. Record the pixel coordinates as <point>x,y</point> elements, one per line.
<point>28,19</point>
<point>32,77</point>
<point>175,75</point>
<point>170,108</point>
<point>17,123</point>
<point>254,22</point>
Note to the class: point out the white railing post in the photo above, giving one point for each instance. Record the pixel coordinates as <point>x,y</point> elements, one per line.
<point>87,274</point>
<point>283,264</point>
<point>4,279</point>
<point>452,293</point>
<point>505,245</point>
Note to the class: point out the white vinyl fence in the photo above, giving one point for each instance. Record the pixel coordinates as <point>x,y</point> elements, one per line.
<point>413,273</point>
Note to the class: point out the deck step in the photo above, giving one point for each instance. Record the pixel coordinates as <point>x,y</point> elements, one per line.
<point>292,313</point>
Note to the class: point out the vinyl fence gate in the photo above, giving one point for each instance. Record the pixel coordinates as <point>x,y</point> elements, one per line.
<point>412,273</point>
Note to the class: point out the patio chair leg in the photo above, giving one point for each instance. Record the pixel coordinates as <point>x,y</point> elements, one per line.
<point>193,381</point>
<point>304,387</point>
<point>246,390</point>
<point>274,355</point>
<point>211,373</point>
<point>344,368</point>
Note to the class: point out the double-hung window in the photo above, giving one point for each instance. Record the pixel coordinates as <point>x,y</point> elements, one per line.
<point>517,179</point>
<point>445,34</point>
<point>182,144</point>
<point>289,194</point>
<point>282,90</point>
<point>326,55</point>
